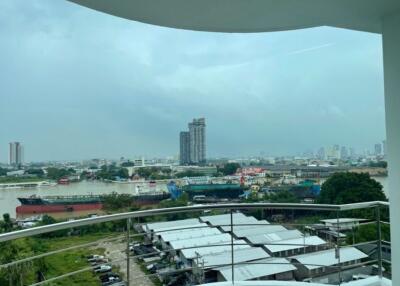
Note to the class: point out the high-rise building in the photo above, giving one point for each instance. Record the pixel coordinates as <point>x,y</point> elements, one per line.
<point>321,153</point>
<point>378,149</point>
<point>193,143</point>
<point>197,134</point>
<point>344,153</point>
<point>184,142</point>
<point>16,154</point>
<point>384,148</point>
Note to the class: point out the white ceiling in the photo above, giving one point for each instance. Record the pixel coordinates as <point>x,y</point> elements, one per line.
<point>250,15</point>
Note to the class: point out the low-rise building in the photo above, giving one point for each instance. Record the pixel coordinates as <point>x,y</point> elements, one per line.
<point>327,261</point>
<point>342,224</point>
<point>294,246</point>
<point>264,269</point>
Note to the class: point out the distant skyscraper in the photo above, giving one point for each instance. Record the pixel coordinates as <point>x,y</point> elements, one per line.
<point>352,153</point>
<point>184,155</point>
<point>343,153</point>
<point>384,147</point>
<point>197,133</point>
<point>193,143</point>
<point>378,149</point>
<point>16,154</point>
<point>321,153</point>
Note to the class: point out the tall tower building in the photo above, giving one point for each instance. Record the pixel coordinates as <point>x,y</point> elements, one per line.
<point>378,149</point>
<point>184,142</point>
<point>193,143</point>
<point>344,154</point>
<point>197,134</point>
<point>16,154</point>
<point>384,147</point>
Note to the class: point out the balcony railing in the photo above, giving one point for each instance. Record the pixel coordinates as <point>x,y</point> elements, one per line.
<point>288,259</point>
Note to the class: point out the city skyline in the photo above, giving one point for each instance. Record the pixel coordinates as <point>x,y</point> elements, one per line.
<point>70,93</point>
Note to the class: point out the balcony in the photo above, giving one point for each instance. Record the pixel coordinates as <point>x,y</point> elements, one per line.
<point>226,244</point>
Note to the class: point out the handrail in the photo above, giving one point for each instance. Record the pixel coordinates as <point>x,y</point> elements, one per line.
<point>153,212</point>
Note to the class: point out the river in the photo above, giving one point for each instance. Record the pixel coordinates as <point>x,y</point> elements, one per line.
<point>9,201</point>
<point>9,198</point>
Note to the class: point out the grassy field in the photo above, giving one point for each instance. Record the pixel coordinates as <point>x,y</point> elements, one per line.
<point>61,263</point>
<point>72,260</point>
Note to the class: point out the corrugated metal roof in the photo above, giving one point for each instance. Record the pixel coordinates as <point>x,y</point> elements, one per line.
<point>295,243</point>
<point>192,252</point>
<point>203,241</point>
<point>261,229</point>
<point>202,230</point>
<point>257,269</point>
<point>166,225</point>
<point>328,257</point>
<point>245,223</point>
<point>275,236</point>
<point>240,255</point>
<point>222,219</point>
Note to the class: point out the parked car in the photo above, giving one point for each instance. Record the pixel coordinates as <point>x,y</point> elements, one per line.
<point>94,258</point>
<point>154,267</point>
<point>122,283</point>
<point>102,268</point>
<point>107,276</point>
<point>112,282</point>
<point>98,262</point>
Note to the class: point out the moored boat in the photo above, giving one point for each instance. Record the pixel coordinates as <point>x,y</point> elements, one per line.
<point>48,204</point>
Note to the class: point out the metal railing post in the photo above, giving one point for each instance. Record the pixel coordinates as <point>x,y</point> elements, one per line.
<point>128,226</point>
<point>232,254</point>
<point>379,238</point>
<point>338,246</point>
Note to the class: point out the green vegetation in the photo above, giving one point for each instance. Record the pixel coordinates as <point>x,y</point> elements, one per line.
<point>282,197</point>
<point>5,180</point>
<point>229,168</point>
<point>346,188</point>
<point>111,172</point>
<point>380,164</point>
<point>49,266</point>
<point>118,202</point>
<point>55,264</point>
<point>3,172</point>
<point>188,173</point>
<point>365,233</point>
<point>56,173</point>
<point>127,164</point>
<point>6,224</point>
<point>36,172</point>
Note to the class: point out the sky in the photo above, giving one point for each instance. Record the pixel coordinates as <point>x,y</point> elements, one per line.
<point>78,84</point>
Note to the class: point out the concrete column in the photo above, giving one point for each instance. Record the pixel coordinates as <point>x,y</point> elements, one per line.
<point>391,61</point>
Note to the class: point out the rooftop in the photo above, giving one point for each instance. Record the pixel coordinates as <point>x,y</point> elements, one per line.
<point>328,257</point>
<point>202,230</point>
<point>256,269</point>
<point>240,255</point>
<point>295,243</point>
<point>193,252</point>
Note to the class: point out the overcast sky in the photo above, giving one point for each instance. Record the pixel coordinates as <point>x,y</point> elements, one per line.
<point>77,84</point>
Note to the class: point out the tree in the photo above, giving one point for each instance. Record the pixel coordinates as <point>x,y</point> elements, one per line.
<point>127,164</point>
<point>6,225</point>
<point>56,173</point>
<point>35,171</point>
<point>347,188</point>
<point>380,164</point>
<point>230,168</point>
<point>282,197</point>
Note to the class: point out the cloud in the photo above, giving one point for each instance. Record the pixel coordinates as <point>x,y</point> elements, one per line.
<point>76,83</point>
<point>306,50</point>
